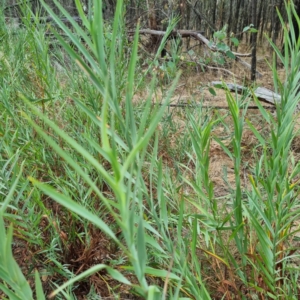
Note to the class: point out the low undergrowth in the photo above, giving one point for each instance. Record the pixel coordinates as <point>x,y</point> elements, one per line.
<point>105,197</point>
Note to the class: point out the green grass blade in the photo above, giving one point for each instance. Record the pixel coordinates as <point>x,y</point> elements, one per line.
<point>76,208</point>
<point>38,287</point>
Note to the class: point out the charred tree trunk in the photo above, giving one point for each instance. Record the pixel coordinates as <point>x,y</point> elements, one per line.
<point>213,13</point>
<point>253,40</point>
<point>294,20</point>
<point>237,14</point>
<point>259,12</point>
<point>277,20</point>
<point>230,18</point>
<point>264,19</point>
<point>273,22</point>
<point>152,19</point>
<point>222,13</point>
<point>241,17</point>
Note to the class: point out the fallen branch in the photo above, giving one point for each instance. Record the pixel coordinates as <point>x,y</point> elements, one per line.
<point>218,69</point>
<point>188,105</point>
<point>187,33</point>
<point>197,36</point>
<point>260,92</point>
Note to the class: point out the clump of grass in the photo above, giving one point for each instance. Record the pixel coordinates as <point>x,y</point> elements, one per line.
<point>102,213</point>
<point>262,220</point>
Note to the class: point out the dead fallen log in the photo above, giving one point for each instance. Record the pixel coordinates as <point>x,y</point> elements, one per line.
<point>261,93</point>
<point>197,36</point>
<point>189,105</point>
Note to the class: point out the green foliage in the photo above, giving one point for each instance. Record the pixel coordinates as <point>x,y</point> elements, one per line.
<point>78,155</point>
<point>13,282</point>
<point>219,43</point>
<point>250,29</point>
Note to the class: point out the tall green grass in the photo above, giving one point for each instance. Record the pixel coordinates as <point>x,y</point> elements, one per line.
<point>85,145</point>
<point>263,219</point>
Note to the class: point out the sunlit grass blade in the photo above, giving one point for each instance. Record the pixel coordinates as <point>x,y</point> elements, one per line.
<point>97,33</point>
<point>99,122</point>
<point>10,272</point>
<point>38,287</point>
<point>130,120</point>
<point>11,192</point>
<point>68,32</point>
<point>72,142</point>
<point>82,15</point>
<point>151,128</point>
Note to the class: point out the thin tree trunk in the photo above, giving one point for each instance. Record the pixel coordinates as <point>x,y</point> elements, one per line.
<point>259,14</point>
<point>237,16</point>
<point>241,17</point>
<point>254,39</point>
<point>277,20</point>
<point>222,14</point>
<point>230,17</point>
<point>273,22</point>
<point>214,12</point>
<point>264,19</point>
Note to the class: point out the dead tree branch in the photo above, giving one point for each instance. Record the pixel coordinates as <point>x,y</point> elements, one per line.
<point>197,36</point>
<point>261,93</point>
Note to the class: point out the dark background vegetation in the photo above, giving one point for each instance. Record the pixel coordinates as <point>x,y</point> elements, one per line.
<point>206,16</point>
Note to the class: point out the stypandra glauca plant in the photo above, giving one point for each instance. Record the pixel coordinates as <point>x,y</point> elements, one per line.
<point>119,163</point>
<point>263,220</point>
<point>170,238</point>
<point>12,281</point>
<point>219,224</point>
<point>273,203</point>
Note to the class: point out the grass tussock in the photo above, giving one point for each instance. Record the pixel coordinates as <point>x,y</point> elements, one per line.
<point>103,196</point>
